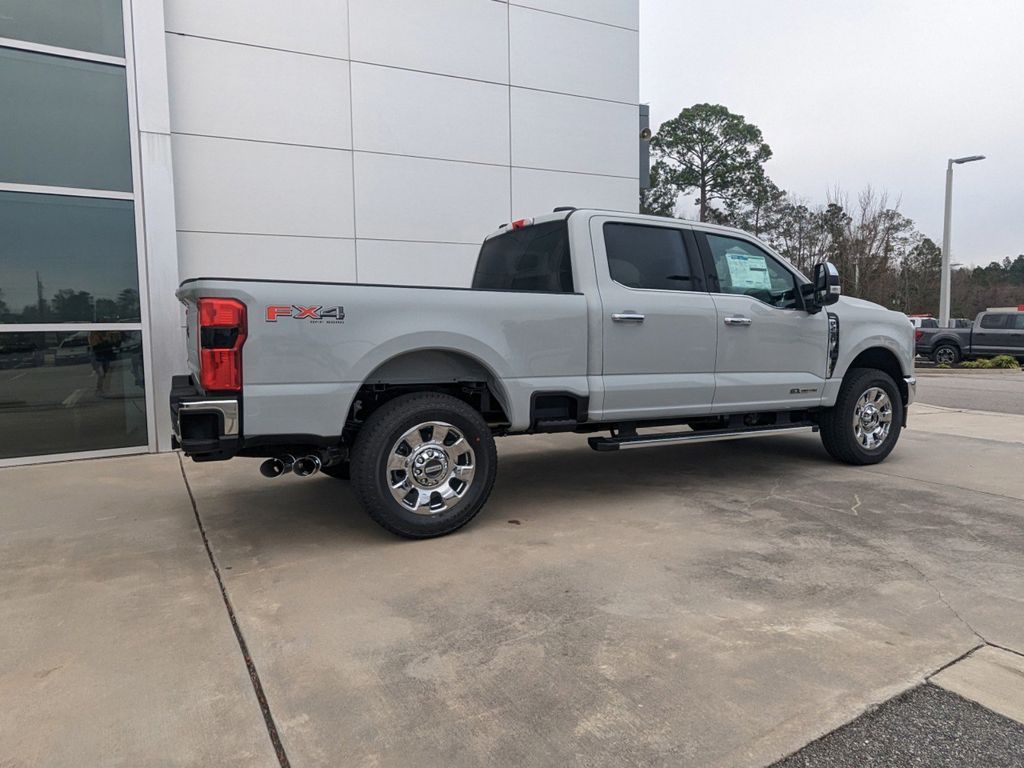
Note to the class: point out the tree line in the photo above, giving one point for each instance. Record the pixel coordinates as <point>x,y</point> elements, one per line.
<point>71,306</point>
<point>719,157</point>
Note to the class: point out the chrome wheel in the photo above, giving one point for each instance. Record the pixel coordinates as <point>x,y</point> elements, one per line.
<point>945,356</point>
<point>430,468</point>
<point>872,418</point>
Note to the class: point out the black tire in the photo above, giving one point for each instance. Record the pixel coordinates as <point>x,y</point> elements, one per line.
<point>837,423</point>
<point>373,447</point>
<point>339,470</point>
<point>946,353</point>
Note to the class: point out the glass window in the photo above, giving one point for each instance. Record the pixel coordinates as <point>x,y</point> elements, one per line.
<point>534,258</point>
<point>63,122</point>
<point>1018,321</point>
<point>82,25</point>
<point>62,392</point>
<point>747,270</point>
<point>67,259</point>
<point>995,321</point>
<point>641,256</point>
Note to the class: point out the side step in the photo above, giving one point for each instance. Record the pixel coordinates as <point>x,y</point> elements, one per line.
<point>707,436</point>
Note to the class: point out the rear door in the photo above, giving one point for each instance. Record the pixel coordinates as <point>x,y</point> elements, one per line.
<point>772,354</point>
<point>658,322</point>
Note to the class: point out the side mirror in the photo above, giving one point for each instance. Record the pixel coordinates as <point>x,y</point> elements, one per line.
<point>826,284</point>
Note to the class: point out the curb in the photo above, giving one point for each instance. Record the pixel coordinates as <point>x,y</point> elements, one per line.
<point>969,371</point>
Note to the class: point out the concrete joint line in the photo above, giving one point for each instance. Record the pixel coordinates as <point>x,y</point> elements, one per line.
<point>945,602</point>
<point>990,676</point>
<point>254,677</point>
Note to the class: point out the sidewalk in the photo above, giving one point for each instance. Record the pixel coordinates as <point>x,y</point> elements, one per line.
<point>984,425</point>
<point>115,647</point>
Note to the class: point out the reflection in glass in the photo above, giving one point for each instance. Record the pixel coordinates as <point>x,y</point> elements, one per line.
<point>84,25</point>
<point>67,259</point>
<point>63,122</point>
<point>62,392</point>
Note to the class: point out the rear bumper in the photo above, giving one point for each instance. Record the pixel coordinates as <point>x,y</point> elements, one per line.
<point>207,428</point>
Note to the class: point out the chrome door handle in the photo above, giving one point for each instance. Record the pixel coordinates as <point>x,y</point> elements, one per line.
<point>737,321</point>
<point>628,317</point>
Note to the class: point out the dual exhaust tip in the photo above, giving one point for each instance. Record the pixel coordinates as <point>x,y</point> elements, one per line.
<point>305,466</point>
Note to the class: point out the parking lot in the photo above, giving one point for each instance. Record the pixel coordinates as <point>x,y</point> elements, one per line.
<point>716,605</point>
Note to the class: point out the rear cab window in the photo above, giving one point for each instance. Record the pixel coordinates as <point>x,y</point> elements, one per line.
<point>533,258</point>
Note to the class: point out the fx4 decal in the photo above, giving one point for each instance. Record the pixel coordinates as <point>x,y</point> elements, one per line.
<point>317,314</point>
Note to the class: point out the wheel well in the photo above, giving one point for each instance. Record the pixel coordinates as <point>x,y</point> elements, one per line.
<point>882,359</point>
<point>428,370</point>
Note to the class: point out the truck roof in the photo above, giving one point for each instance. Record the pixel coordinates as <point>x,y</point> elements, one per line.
<point>567,211</point>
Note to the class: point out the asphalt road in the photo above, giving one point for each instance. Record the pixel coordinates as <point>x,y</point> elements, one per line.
<point>998,392</point>
<point>926,727</point>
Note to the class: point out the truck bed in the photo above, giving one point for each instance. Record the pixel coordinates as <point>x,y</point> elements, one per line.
<point>319,342</point>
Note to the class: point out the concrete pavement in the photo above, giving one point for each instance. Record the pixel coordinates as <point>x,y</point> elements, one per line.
<point>115,647</point>
<point>714,605</point>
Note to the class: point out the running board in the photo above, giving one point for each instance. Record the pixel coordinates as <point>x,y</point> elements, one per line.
<point>678,438</point>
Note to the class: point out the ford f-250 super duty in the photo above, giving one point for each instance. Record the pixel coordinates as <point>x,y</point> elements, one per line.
<point>581,321</point>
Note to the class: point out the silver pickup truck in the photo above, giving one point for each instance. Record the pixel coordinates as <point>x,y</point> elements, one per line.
<point>580,321</point>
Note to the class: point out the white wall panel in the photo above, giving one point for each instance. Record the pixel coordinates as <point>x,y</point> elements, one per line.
<point>239,91</point>
<point>407,198</point>
<point>404,263</point>
<point>622,13</point>
<point>557,53</point>
<point>309,26</point>
<point>269,257</point>
<point>465,38</point>
<point>538,192</point>
<point>412,113</point>
<point>570,133</point>
<point>223,185</point>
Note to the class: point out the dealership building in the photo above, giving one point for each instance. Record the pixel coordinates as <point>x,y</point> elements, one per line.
<point>144,142</point>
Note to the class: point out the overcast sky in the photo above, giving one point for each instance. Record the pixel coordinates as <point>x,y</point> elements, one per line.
<point>868,92</point>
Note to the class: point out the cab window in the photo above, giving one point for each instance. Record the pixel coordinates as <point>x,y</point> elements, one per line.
<point>996,321</point>
<point>646,257</point>
<point>534,258</point>
<point>746,270</point>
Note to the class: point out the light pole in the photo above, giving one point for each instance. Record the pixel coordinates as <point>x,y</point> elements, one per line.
<point>946,234</point>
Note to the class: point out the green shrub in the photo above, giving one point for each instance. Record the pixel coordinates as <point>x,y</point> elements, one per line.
<point>999,361</point>
<point>943,365</point>
<point>1004,361</point>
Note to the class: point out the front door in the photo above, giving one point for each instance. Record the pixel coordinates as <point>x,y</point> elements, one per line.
<point>772,354</point>
<point>658,322</point>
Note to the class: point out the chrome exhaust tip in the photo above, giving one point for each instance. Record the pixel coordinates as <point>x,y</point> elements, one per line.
<point>307,466</point>
<point>280,465</point>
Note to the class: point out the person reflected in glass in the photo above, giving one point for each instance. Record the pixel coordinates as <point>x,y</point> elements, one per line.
<point>103,347</point>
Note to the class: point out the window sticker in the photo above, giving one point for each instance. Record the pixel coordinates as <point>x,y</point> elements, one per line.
<point>748,271</point>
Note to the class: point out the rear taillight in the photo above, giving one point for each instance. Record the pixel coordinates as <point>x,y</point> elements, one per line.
<point>221,336</point>
<point>918,334</point>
